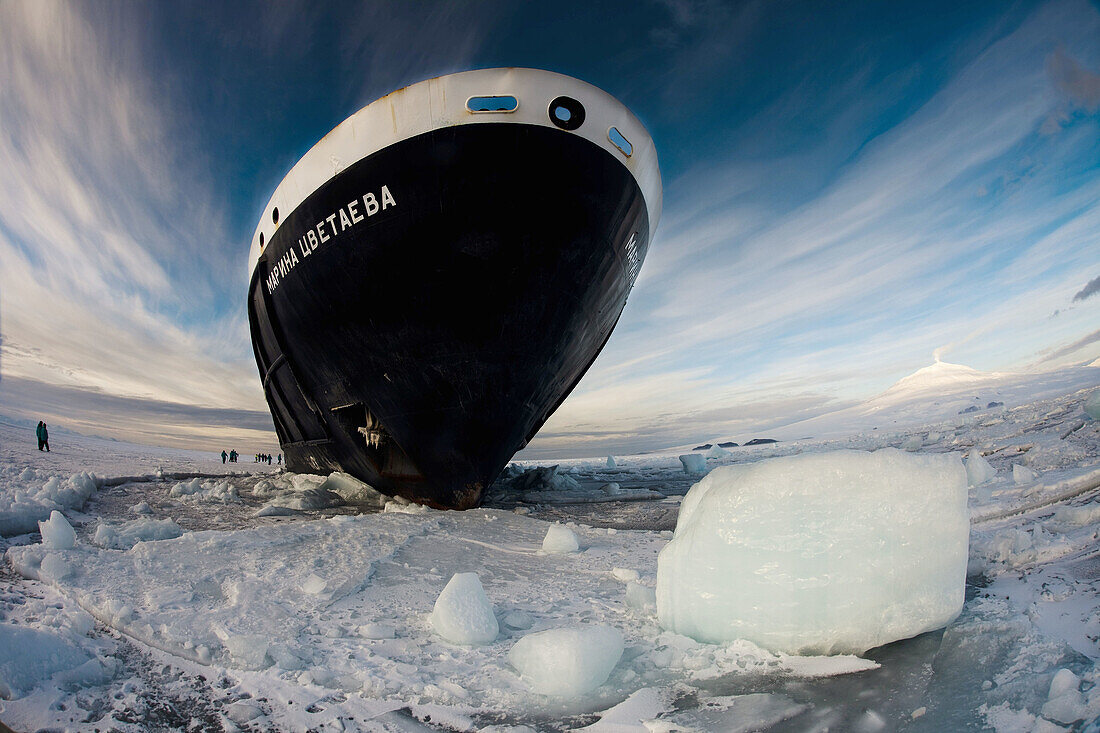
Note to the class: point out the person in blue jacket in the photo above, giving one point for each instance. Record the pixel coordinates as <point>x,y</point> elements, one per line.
<point>43,436</point>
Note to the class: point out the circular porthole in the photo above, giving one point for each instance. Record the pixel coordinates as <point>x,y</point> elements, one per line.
<point>567,113</point>
<point>275,215</point>
<point>261,239</point>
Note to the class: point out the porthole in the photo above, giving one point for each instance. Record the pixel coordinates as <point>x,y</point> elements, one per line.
<point>261,239</point>
<point>275,215</point>
<point>501,103</point>
<point>619,141</point>
<point>567,113</point>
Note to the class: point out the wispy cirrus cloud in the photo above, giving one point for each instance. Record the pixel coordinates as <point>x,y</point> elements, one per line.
<point>959,217</point>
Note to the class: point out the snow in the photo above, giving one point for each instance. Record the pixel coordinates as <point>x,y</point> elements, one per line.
<point>694,463</point>
<point>463,613</point>
<point>569,661</point>
<point>321,619</point>
<point>819,554</point>
<point>559,540</point>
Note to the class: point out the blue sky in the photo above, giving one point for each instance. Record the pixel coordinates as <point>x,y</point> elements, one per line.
<point>848,190</point>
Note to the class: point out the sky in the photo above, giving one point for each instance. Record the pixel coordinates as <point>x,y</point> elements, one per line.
<point>851,191</point>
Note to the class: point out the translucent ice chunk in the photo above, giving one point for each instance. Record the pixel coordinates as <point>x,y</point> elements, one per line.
<point>559,540</point>
<point>463,613</point>
<point>818,553</point>
<point>57,533</point>
<point>694,463</point>
<point>567,662</point>
<point>978,470</point>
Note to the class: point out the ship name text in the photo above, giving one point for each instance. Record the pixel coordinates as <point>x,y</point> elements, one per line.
<point>330,227</point>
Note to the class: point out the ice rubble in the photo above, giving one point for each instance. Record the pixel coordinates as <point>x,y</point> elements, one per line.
<point>463,613</point>
<point>28,496</point>
<point>819,553</point>
<point>126,535</point>
<point>569,661</point>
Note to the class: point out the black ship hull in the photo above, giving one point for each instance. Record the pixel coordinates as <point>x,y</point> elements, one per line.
<point>418,317</point>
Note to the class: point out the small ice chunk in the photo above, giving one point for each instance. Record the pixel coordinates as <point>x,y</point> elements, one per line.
<point>248,651</point>
<point>1023,474</point>
<point>559,540</point>
<point>978,470</point>
<point>242,711</point>
<point>913,443</point>
<point>641,597</point>
<point>626,575</point>
<point>611,461</point>
<point>717,452</point>
<point>141,508</point>
<point>463,613</point>
<point>314,585</point>
<point>568,662</point>
<point>518,620</point>
<point>354,491</point>
<point>803,554</point>
<point>57,533</point>
<point>694,463</point>
<point>377,631</point>
<point>612,489</point>
<point>1092,405</point>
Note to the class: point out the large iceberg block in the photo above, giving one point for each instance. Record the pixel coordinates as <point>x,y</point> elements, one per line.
<point>820,553</point>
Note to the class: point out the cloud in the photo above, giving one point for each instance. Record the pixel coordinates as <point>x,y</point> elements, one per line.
<point>852,287</point>
<point>1091,289</point>
<point>1081,85</point>
<point>114,253</point>
<point>154,422</point>
<point>1074,347</point>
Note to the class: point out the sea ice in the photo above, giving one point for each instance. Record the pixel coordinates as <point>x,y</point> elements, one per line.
<point>694,463</point>
<point>29,656</point>
<point>818,553</point>
<point>611,461</point>
<point>559,540</point>
<point>569,661</point>
<point>463,613</point>
<point>57,533</point>
<point>717,452</point>
<point>978,470</point>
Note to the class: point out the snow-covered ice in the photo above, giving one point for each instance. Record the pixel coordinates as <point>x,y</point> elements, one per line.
<point>322,618</point>
<point>819,553</point>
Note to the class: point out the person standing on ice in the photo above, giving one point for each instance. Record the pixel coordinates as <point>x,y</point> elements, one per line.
<point>43,436</point>
<point>224,456</point>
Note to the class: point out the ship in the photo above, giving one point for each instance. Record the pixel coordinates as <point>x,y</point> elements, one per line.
<point>433,278</point>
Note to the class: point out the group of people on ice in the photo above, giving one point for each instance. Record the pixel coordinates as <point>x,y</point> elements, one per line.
<point>233,455</point>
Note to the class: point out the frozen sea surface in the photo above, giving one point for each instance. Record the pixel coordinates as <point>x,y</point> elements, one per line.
<point>263,616</point>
